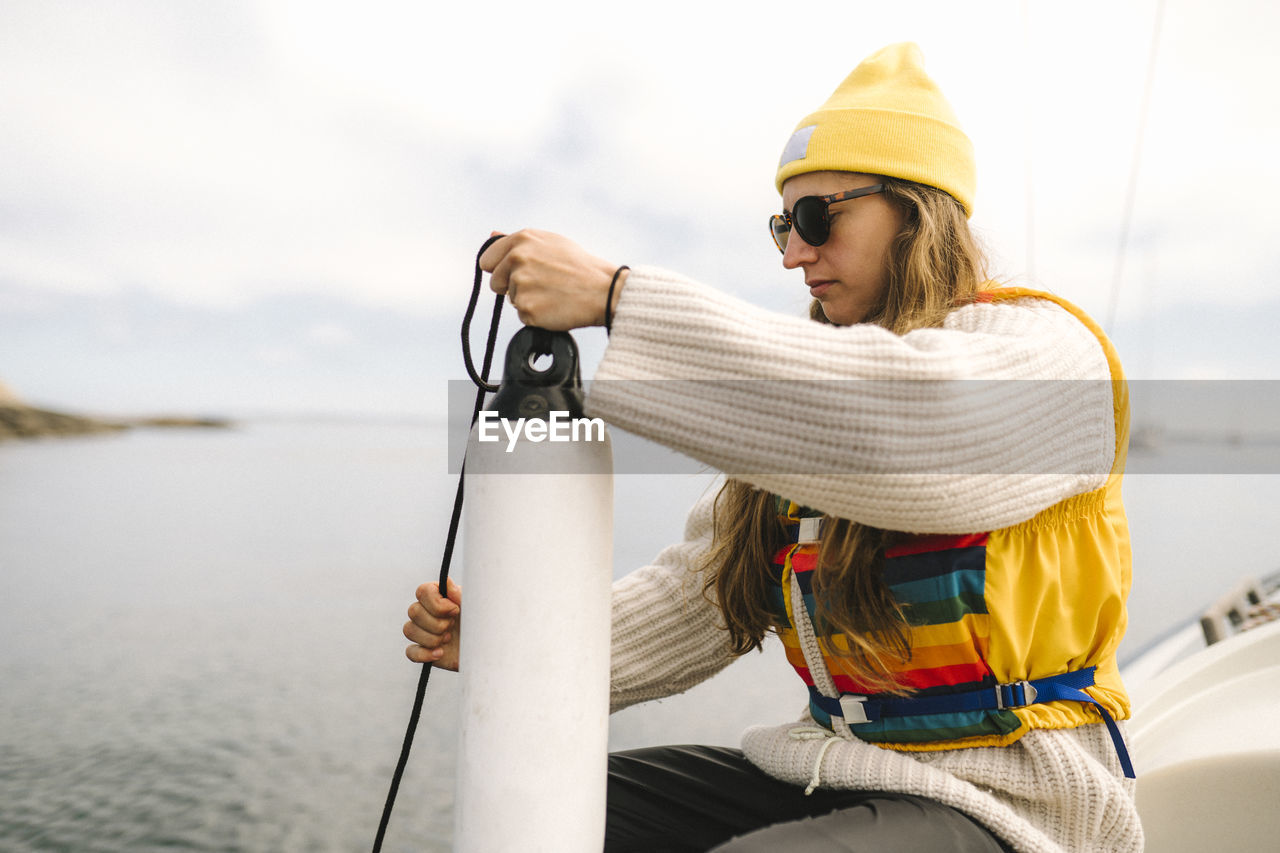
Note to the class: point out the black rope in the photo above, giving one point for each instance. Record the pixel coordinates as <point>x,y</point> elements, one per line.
<point>482,385</point>
<point>480,380</point>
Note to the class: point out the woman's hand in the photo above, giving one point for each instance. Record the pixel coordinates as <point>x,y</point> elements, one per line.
<point>551,280</point>
<point>434,625</point>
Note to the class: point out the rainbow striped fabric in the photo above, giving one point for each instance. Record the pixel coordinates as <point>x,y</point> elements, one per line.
<point>940,583</point>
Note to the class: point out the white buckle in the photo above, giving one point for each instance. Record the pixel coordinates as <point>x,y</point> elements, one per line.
<point>810,531</point>
<point>853,709</point>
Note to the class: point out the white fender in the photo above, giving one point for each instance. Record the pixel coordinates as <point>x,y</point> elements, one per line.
<point>537,549</point>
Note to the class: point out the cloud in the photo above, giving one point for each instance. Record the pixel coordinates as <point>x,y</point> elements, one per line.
<point>329,334</point>
<point>220,156</point>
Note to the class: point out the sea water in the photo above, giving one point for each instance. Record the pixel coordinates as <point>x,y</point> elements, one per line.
<point>200,639</point>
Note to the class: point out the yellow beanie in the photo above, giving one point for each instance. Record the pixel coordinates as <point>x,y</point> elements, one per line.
<point>887,118</point>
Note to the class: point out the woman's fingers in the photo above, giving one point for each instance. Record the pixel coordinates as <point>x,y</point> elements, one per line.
<point>426,639</point>
<point>550,280</point>
<point>433,615</point>
<point>493,257</point>
<point>435,604</point>
<point>433,626</point>
<point>418,654</point>
<point>427,622</point>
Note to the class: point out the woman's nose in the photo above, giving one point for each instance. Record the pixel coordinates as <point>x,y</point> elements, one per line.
<point>798,252</point>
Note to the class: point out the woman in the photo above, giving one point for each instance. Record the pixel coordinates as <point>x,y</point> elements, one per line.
<point>944,556</point>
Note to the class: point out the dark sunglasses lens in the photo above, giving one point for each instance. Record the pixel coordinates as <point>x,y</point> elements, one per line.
<point>810,217</point>
<point>781,230</point>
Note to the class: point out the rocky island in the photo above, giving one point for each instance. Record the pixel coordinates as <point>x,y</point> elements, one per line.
<point>19,420</point>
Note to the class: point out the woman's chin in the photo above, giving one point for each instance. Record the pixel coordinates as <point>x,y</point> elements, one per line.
<point>843,315</point>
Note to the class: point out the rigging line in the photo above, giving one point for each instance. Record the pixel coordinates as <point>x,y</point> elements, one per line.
<point>1028,163</point>
<point>482,385</point>
<point>1131,193</point>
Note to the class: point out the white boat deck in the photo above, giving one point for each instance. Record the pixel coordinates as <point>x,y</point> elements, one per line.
<point>1205,730</point>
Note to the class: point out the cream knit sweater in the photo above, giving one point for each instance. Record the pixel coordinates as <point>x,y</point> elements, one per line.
<point>896,454</point>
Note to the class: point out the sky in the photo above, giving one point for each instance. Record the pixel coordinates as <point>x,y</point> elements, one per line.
<point>274,208</point>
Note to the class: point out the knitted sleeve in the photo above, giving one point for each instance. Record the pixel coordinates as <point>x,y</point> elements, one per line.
<point>666,633</point>
<point>974,426</point>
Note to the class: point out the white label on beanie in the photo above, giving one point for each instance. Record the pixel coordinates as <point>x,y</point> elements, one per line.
<point>798,146</point>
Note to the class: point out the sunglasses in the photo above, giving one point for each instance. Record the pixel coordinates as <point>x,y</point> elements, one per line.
<point>811,217</point>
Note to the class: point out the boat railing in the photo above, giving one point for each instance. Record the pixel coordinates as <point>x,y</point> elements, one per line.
<point>1249,604</point>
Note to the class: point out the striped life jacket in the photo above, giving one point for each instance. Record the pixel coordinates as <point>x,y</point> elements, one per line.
<point>1039,603</point>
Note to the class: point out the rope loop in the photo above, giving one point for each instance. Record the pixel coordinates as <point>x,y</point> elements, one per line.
<point>481,379</point>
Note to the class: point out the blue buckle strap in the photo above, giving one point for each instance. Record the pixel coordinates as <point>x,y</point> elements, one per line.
<point>1067,687</point>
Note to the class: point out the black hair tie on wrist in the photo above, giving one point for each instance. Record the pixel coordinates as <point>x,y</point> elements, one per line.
<point>608,302</point>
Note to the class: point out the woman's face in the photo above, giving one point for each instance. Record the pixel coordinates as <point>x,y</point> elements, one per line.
<point>848,273</point>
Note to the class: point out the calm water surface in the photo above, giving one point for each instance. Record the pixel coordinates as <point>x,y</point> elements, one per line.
<point>199,630</point>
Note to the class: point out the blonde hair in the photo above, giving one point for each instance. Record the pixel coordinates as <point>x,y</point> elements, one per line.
<point>935,266</point>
